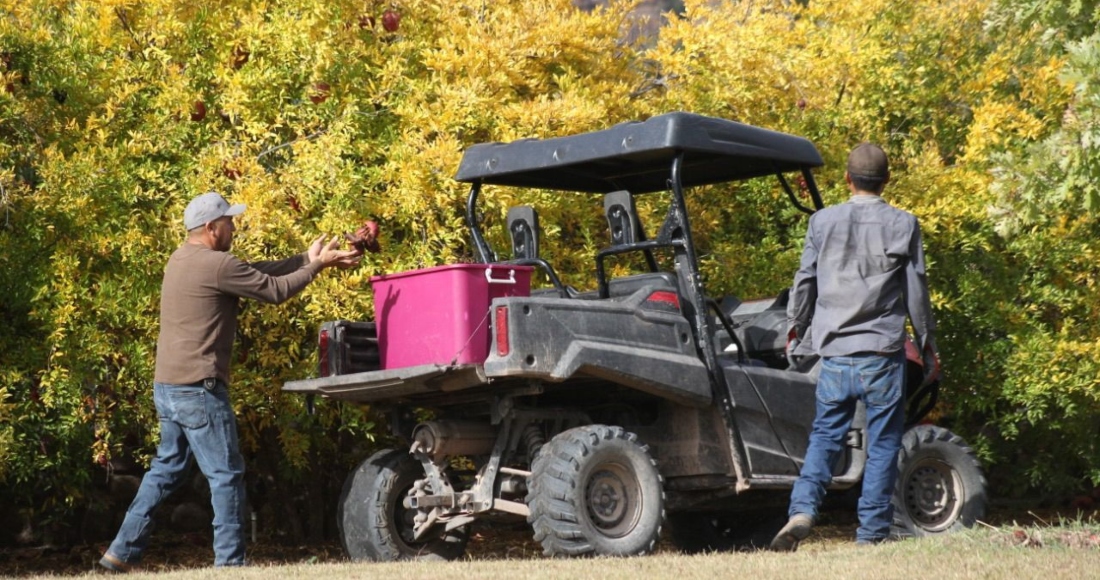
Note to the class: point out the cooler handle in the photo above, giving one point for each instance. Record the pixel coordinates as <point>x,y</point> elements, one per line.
<point>489,277</point>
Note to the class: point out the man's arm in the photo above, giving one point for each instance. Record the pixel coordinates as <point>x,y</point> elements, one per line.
<point>240,279</point>
<point>281,267</point>
<point>245,280</point>
<point>293,263</point>
<point>800,306</point>
<point>919,306</point>
<point>918,303</point>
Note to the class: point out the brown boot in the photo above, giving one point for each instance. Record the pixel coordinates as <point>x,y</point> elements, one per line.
<point>111,562</point>
<point>796,530</point>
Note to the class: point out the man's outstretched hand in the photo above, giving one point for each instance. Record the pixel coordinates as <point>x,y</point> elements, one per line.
<point>328,252</point>
<point>365,239</point>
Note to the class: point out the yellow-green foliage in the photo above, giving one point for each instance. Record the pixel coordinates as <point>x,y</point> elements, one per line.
<point>114,113</point>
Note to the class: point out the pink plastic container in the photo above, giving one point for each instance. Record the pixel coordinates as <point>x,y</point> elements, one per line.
<point>440,315</point>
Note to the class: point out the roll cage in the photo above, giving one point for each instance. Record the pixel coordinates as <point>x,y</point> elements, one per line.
<point>669,152</point>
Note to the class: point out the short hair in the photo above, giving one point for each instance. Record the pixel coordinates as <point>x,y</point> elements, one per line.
<point>865,183</point>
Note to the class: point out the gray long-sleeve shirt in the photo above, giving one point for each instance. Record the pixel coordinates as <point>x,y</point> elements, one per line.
<point>199,300</point>
<point>862,271</point>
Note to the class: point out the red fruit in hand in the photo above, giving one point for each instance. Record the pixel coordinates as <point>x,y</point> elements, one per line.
<point>365,239</point>
<point>391,20</point>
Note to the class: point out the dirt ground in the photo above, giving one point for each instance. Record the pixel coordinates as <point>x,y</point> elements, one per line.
<point>489,541</point>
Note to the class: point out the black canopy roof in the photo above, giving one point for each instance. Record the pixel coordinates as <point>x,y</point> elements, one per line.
<point>637,156</point>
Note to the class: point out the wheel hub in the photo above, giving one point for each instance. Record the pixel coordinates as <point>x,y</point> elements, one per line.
<point>932,494</point>
<point>611,499</point>
<point>607,500</point>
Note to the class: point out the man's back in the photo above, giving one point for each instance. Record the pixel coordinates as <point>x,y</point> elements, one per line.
<point>857,254</point>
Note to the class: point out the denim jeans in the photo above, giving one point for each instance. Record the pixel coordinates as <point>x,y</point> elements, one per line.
<point>878,381</point>
<point>194,422</point>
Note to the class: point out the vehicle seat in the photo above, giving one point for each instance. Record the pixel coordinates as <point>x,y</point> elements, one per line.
<point>627,285</point>
<point>622,218</point>
<point>523,228</point>
<point>626,229</point>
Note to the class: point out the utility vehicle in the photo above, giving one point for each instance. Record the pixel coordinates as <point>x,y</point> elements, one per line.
<point>608,415</point>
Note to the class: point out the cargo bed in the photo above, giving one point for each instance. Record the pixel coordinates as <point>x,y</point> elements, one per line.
<point>393,385</point>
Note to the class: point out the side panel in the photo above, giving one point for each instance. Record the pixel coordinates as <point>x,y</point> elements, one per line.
<point>555,339</point>
<point>689,442</point>
<point>774,411</point>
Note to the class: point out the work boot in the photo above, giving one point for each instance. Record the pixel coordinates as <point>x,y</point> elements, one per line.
<point>796,530</point>
<point>110,562</point>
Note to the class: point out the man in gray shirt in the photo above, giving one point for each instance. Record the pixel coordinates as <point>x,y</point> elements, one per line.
<point>862,272</point>
<point>202,288</point>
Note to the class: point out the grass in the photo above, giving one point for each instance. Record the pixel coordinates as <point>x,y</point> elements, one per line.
<point>911,561</point>
<point>1065,550</point>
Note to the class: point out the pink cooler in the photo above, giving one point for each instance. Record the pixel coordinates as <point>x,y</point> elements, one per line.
<point>440,315</point>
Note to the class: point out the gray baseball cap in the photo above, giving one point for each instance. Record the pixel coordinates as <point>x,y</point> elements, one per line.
<point>207,208</point>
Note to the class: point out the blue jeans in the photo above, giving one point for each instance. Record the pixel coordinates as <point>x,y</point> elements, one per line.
<point>194,422</point>
<point>878,381</point>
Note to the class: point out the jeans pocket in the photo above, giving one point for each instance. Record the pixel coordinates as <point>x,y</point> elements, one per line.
<point>830,385</point>
<point>188,408</point>
<point>881,386</point>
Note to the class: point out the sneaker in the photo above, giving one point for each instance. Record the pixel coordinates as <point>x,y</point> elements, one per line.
<point>110,562</point>
<point>796,530</point>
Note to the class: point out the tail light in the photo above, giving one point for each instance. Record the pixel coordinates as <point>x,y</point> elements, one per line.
<point>322,345</point>
<point>664,300</point>
<point>501,323</point>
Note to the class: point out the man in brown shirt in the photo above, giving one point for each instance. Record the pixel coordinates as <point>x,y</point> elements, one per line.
<point>200,296</point>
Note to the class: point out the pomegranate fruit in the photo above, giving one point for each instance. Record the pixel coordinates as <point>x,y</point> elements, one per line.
<point>365,239</point>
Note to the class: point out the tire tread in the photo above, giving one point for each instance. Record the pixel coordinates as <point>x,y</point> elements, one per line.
<point>554,478</point>
<point>930,440</point>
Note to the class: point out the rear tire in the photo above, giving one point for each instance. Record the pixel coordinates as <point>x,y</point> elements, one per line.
<point>594,490</point>
<point>940,486</point>
<point>373,523</point>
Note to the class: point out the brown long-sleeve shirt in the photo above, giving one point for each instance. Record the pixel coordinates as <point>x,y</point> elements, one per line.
<point>199,302</point>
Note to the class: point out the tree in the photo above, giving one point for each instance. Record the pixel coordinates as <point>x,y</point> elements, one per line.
<point>318,115</point>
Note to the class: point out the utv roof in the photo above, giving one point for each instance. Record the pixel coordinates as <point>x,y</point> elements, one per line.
<point>637,156</point>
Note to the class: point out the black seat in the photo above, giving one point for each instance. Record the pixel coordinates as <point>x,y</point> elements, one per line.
<point>627,285</point>
<point>523,228</point>
<point>622,218</point>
